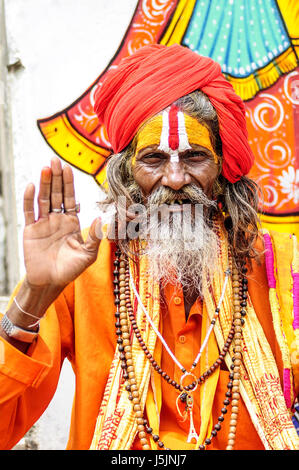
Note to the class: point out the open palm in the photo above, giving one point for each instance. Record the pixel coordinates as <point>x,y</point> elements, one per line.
<point>54,250</point>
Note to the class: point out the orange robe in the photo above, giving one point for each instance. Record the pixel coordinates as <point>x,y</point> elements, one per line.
<point>79,326</point>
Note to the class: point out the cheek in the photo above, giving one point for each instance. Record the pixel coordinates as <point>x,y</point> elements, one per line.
<point>206,176</point>
<point>145,177</point>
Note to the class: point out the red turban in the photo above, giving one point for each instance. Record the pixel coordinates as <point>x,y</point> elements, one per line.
<point>153,78</point>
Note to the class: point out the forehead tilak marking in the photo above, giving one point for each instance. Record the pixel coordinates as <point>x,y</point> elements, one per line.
<point>174,138</point>
<point>173,132</point>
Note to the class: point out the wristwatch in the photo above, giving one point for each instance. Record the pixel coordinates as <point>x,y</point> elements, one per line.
<point>16,332</point>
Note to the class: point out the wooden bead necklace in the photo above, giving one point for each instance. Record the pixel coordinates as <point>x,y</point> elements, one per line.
<point>124,310</point>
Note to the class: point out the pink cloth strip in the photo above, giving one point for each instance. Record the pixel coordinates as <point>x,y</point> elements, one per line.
<point>296,300</point>
<point>269,259</point>
<point>287,387</point>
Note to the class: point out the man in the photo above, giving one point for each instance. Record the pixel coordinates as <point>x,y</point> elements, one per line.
<point>178,341</point>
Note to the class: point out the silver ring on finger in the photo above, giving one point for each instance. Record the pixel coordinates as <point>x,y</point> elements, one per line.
<point>57,211</point>
<point>75,209</point>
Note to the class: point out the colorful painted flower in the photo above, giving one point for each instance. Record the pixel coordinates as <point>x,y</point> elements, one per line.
<point>289,182</point>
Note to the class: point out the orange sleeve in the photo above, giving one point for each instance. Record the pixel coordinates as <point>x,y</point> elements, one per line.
<point>28,381</point>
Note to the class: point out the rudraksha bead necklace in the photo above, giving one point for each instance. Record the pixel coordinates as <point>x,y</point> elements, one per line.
<point>124,311</point>
<point>156,366</point>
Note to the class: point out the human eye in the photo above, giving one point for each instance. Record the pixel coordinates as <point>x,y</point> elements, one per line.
<point>196,156</point>
<point>153,158</point>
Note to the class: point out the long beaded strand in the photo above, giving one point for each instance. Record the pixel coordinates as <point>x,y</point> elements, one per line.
<point>156,366</point>
<point>240,298</point>
<point>123,309</point>
<point>124,345</point>
<point>211,327</point>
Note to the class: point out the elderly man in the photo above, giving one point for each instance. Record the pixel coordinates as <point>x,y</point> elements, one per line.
<point>185,340</point>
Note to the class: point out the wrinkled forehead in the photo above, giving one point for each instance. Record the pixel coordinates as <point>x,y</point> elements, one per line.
<point>173,130</point>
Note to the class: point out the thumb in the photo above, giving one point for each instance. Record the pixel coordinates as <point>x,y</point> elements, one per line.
<point>94,236</point>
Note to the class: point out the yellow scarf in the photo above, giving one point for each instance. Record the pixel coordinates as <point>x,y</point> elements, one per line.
<point>260,388</point>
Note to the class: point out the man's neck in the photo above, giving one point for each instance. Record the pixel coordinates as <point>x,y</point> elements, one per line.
<point>190,296</point>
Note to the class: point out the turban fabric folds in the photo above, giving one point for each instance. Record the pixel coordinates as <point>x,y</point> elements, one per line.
<point>153,78</point>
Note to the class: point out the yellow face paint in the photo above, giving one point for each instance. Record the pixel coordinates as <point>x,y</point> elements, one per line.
<point>149,134</point>
<point>173,134</point>
<point>198,134</point>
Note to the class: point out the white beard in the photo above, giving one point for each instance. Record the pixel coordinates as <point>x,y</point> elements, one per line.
<point>179,255</point>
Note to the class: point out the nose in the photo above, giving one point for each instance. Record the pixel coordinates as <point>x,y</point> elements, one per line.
<point>175,176</point>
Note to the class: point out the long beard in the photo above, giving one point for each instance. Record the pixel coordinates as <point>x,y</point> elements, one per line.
<point>182,248</point>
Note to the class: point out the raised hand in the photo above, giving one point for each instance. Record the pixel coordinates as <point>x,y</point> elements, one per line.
<point>54,250</point>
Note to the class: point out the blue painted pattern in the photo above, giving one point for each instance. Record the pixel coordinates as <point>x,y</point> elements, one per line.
<point>242,36</point>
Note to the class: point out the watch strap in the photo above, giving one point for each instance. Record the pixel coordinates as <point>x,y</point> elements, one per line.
<point>14,331</point>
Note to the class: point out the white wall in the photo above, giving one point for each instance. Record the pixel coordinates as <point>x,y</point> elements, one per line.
<point>63,46</point>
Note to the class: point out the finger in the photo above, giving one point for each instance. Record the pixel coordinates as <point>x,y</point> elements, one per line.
<point>44,193</point>
<point>94,236</point>
<point>28,204</point>
<point>56,184</point>
<point>69,200</point>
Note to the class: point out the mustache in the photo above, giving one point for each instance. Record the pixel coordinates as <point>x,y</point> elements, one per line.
<point>189,193</point>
